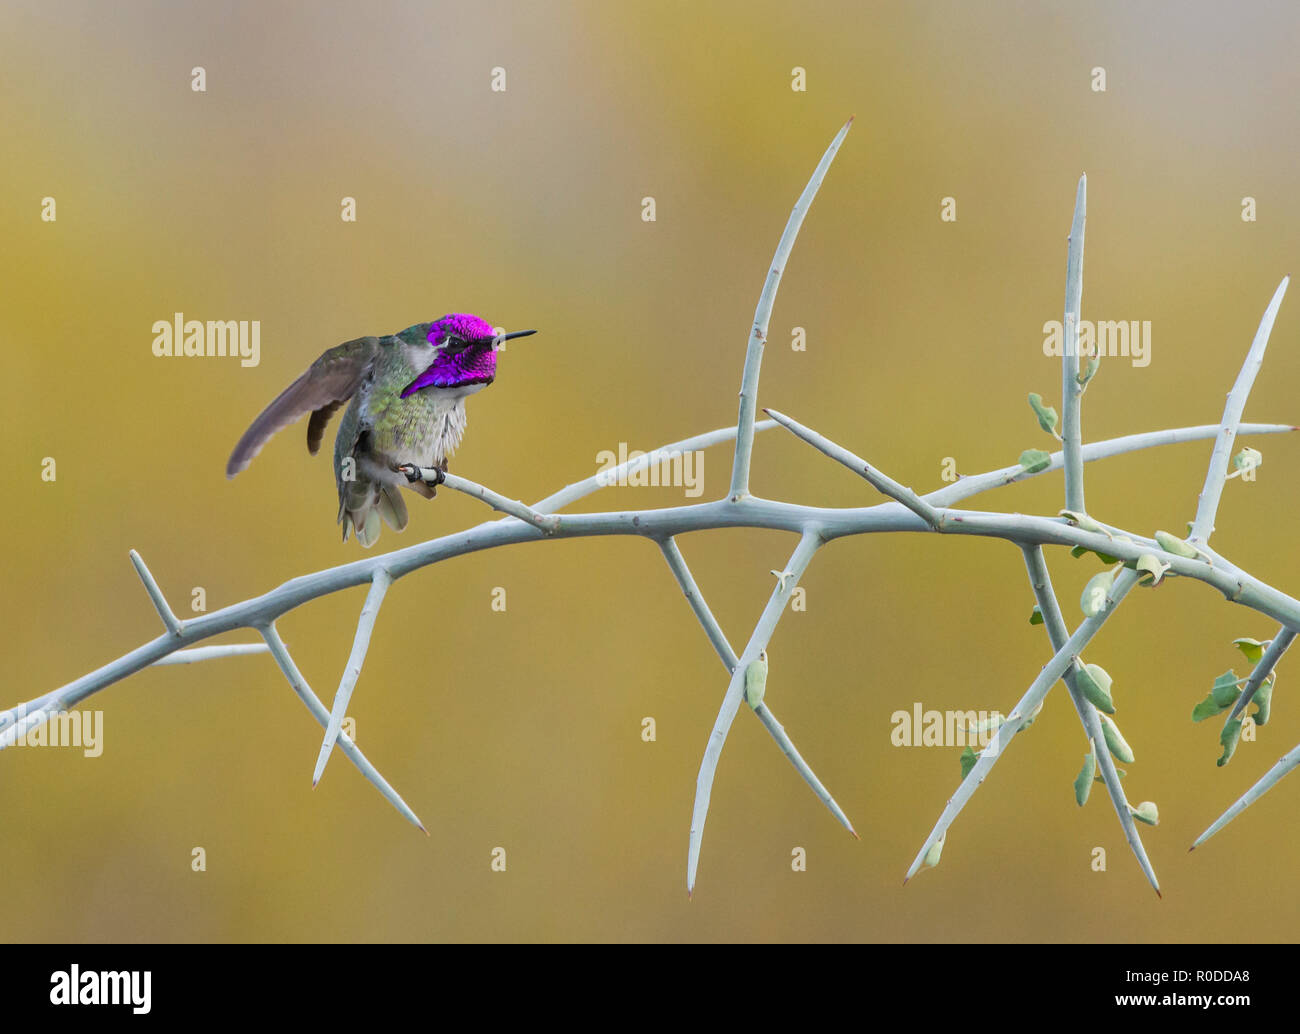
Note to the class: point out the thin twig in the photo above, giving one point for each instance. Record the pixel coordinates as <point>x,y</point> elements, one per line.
<point>677,564</point>
<point>1207,505</point>
<point>1034,695</point>
<point>882,482</point>
<point>208,653</point>
<point>350,750</point>
<point>155,594</point>
<point>434,476</point>
<point>977,483</point>
<point>1270,779</point>
<point>613,475</point>
<point>365,625</point>
<point>758,641</point>
<point>1267,663</point>
<point>1050,608</point>
<point>762,314</point>
<point>787,746</point>
<point>1071,389</point>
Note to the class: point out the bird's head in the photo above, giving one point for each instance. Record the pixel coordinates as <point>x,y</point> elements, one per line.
<point>467,353</point>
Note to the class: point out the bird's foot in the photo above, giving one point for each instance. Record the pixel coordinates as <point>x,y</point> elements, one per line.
<point>414,473</point>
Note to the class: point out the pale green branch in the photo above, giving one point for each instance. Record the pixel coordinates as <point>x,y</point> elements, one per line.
<point>1207,505</point>
<point>758,642</point>
<point>350,750</point>
<point>361,642</point>
<point>1071,390</point>
<point>1272,654</point>
<point>208,653</point>
<point>1271,778</point>
<point>1028,704</point>
<point>882,482</point>
<point>677,564</point>
<point>762,314</point>
<point>1059,635</point>
<point>435,476</point>
<point>155,594</point>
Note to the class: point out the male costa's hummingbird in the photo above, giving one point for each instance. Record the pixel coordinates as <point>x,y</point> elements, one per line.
<point>408,395</point>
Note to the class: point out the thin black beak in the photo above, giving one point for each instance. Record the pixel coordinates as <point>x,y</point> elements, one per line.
<point>517,333</point>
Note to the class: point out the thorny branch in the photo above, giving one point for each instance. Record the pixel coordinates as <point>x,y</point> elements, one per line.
<point>1143,558</point>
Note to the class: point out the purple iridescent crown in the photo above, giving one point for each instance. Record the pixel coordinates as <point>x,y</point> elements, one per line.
<point>465,355</point>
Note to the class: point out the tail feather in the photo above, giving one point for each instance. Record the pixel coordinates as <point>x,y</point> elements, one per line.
<point>391,507</point>
<point>365,506</point>
<point>368,529</point>
<point>360,510</point>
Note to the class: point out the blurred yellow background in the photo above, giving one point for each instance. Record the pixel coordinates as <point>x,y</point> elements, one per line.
<point>522,729</point>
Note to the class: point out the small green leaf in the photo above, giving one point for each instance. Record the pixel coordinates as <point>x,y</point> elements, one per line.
<point>1105,558</point>
<point>1094,683</point>
<point>968,759</point>
<point>1034,460</point>
<point>1252,648</point>
<point>756,681</point>
<point>936,849</point>
<point>1247,460</point>
<point>1090,371</point>
<point>1094,599</point>
<point>988,726</point>
<point>1226,689</point>
<point>1229,737</point>
<point>1115,742</point>
<point>1082,520</point>
<point>1046,414</point>
<point>1223,694</point>
<point>1176,546</point>
<point>1208,708</point>
<point>1036,616</point>
<point>1083,781</point>
<point>1146,812</point>
<point>1150,570</point>
<point>1118,771</point>
<point>1263,700</point>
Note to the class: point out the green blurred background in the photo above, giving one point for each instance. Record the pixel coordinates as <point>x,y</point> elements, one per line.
<point>522,729</point>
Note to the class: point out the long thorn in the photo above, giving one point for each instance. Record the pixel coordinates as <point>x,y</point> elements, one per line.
<point>1071,390</point>
<point>1028,704</point>
<point>1270,779</point>
<point>350,750</point>
<point>1207,505</point>
<point>155,594</point>
<point>758,641</point>
<point>763,314</point>
<point>879,480</point>
<point>360,643</point>
<point>1050,608</point>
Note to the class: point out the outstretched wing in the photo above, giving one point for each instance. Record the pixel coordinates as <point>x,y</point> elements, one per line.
<point>328,383</point>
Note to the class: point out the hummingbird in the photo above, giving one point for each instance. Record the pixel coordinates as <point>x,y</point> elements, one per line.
<point>407,393</point>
